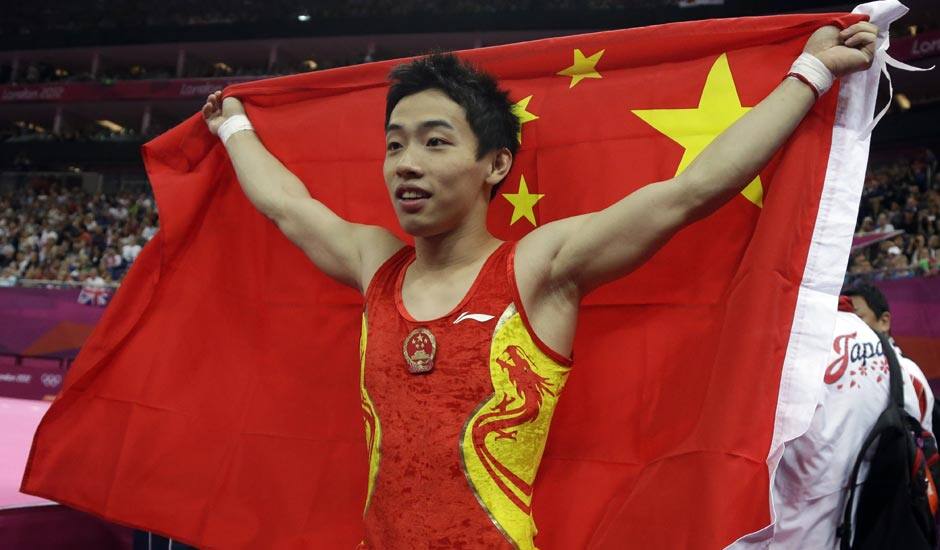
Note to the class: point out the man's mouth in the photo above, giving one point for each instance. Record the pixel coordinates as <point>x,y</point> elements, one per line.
<point>411,198</point>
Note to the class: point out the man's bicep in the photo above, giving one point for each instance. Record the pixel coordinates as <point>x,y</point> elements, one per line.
<point>339,248</point>
<point>537,254</point>
<point>612,242</point>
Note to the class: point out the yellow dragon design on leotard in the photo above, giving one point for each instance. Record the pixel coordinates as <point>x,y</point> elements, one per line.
<point>503,440</point>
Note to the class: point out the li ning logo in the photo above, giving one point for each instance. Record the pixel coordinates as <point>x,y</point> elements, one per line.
<point>858,359</point>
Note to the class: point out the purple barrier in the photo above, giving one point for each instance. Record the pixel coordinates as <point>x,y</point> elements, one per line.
<point>867,239</point>
<point>51,323</point>
<point>30,382</point>
<point>44,322</point>
<point>60,527</point>
<point>915,319</point>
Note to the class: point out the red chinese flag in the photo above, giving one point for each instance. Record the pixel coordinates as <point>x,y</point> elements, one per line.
<point>217,402</point>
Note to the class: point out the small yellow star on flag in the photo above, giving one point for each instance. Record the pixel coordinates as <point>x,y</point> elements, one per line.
<point>522,203</point>
<point>520,109</point>
<point>583,67</point>
<point>693,129</point>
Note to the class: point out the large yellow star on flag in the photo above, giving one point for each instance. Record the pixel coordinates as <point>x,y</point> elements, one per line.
<point>520,109</point>
<point>693,129</point>
<point>522,203</point>
<point>583,67</point>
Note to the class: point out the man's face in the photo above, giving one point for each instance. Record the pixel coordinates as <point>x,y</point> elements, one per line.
<point>431,167</point>
<point>881,324</point>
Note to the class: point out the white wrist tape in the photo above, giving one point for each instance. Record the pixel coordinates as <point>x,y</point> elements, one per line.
<point>233,124</point>
<point>813,72</point>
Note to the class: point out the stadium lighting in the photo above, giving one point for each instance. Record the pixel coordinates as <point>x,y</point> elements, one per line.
<point>29,126</point>
<point>303,17</point>
<point>114,127</point>
<point>903,102</point>
<point>309,64</point>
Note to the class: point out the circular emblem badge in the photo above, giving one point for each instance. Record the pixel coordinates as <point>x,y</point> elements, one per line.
<point>419,349</point>
<point>51,380</point>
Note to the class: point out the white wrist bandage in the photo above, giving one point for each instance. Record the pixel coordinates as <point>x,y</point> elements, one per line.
<point>813,72</point>
<point>233,124</point>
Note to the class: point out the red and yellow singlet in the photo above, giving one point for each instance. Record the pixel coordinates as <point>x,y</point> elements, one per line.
<point>454,452</point>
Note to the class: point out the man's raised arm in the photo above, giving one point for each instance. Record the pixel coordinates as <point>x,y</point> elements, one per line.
<point>348,252</point>
<point>583,252</point>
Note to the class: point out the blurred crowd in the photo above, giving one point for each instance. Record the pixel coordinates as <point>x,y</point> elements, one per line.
<point>900,211</point>
<point>53,230</point>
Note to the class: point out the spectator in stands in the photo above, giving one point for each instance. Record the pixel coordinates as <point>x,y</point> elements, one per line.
<point>53,231</point>
<point>131,249</point>
<point>8,276</point>
<point>897,263</point>
<point>921,259</point>
<point>150,228</point>
<point>7,250</point>
<point>903,194</point>
<point>860,264</point>
<point>867,226</point>
<point>883,225</point>
<point>114,263</point>
<point>93,279</point>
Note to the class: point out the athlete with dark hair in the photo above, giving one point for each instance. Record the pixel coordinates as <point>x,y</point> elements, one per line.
<point>487,108</point>
<point>466,340</point>
<point>871,305</point>
<point>812,483</point>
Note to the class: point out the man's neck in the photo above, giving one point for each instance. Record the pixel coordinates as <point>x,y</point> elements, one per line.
<point>459,248</point>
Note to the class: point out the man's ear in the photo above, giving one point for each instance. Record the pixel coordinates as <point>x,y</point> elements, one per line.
<point>885,321</point>
<point>499,166</point>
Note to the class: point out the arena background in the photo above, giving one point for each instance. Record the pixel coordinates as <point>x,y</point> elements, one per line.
<point>84,84</point>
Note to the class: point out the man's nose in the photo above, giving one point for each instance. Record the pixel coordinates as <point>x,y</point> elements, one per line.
<point>408,166</point>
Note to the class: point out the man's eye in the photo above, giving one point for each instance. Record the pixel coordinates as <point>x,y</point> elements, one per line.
<point>393,146</point>
<point>434,142</point>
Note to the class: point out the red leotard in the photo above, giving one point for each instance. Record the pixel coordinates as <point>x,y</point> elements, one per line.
<point>454,452</point>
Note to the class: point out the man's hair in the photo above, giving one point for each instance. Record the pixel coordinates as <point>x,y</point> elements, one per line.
<point>873,297</point>
<point>487,107</point>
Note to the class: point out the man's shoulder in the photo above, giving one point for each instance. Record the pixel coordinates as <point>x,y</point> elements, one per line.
<point>910,366</point>
<point>381,260</point>
<point>847,321</point>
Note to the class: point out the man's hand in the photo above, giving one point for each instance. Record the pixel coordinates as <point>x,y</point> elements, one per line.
<point>350,253</point>
<point>217,111</point>
<point>575,255</point>
<point>847,51</point>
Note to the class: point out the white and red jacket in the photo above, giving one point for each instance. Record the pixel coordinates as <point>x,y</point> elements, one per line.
<point>811,481</point>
